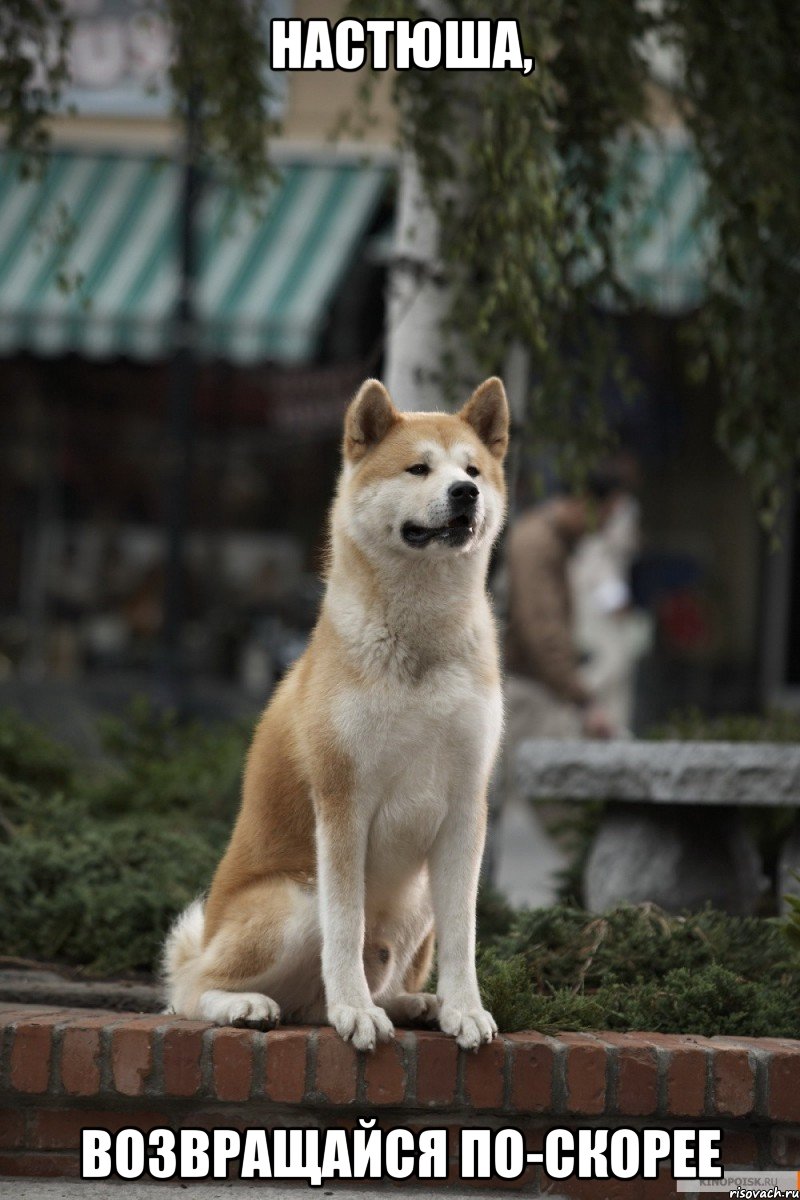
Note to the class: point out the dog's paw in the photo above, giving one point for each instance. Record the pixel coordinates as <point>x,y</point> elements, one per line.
<point>469,1026</point>
<point>413,1006</point>
<point>364,1027</point>
<point>251,1009</point>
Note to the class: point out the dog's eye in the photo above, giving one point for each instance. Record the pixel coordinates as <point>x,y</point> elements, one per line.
<point>472,471</point>
<point>419,469</point>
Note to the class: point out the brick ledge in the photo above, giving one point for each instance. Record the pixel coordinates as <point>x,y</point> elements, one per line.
<point>82,1053</point>
<point>63,1068</point>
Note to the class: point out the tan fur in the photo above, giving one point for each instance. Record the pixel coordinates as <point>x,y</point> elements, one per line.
<point>417,974</point>
<point>304,770</point>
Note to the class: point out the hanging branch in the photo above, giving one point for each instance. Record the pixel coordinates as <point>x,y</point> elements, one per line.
<point>527,195</point>
<point>34,41</point>
<point>743,108</point>
<point>518,170</point>
<point>226,43</point>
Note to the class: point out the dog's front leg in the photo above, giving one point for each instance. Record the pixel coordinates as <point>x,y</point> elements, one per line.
<point>341,856</point>
<point>454,866</point>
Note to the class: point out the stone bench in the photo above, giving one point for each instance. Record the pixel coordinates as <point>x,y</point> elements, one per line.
<point>672,832</point>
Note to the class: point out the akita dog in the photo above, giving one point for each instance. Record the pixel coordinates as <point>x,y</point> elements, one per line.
<point>363,814</point>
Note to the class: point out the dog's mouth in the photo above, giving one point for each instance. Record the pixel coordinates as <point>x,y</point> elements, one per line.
<point>456,532</point>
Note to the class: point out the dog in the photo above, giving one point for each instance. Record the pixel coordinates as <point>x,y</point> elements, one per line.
<point>363,812</point>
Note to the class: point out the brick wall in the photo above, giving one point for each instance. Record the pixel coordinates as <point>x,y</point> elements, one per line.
<point>64,1069</point>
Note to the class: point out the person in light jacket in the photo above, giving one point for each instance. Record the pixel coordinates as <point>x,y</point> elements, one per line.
<point>546,693</point>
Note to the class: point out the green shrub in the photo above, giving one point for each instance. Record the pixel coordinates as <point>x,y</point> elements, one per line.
<point>637,968</point>
<point>95,863</point>
<point>692,725</point>
<point>158,764</point>
<point>30,756</point>
<point>100,895</point>
<point>567,947</point>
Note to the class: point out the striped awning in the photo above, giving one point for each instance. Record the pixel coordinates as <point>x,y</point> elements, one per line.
<point>663,246</point>
<point>88,257</point>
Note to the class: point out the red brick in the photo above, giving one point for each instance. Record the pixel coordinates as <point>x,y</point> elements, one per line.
<point>132,1056</point>
<point>81,1050</point>
<point>484,1084</point>
<point>585,1074</point>
<point>385,1073</point>
<point>286,1065</point>
<point>660,1188</point>
<point>25,1164</point>
<point>31,1054</point>
<point>12,1128</point>
<point>60,1128</point>
<point>534,1137</point>
<point>337,1064</point>
<point>437,1064</point>
<point>739,1148</point>
<point>424,1123</point>
<point>637,1074</point>
<point>687,1072</point>
<point>232,1063</point>
<point>784,1085</point>
<point>532,1062</point>
<point>182,1049</point>
<point>80,1061</point>
<point>785,1148</point>
<point>734,1083</point>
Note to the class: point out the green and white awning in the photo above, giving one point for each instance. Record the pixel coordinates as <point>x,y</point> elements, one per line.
<point>663,246</point>
<point>88,257</point>
<point>88,252</point>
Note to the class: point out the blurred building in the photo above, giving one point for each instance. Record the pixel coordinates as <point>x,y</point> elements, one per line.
<point>290,316</point>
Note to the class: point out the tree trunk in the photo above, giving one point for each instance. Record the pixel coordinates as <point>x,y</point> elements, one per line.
<point>417,300</point>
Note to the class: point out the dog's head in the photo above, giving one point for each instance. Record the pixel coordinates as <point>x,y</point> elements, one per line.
<point>424,484</point>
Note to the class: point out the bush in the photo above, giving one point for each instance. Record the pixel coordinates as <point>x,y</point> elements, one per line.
<point>637,968</point>
<point>95,862</point>
<point>159,765</point>
<point>691,725</point>
<point>30,756</point>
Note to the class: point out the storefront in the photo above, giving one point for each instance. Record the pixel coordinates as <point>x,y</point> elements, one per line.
<point>289,313</point>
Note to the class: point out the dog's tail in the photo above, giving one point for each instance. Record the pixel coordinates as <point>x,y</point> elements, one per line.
<point>180,959</point>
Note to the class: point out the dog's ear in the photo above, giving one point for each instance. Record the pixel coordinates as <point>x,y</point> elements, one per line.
<point>369,418</point>
<point>487,412</point>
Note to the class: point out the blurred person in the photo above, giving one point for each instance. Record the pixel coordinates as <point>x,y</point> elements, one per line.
<point>547,695</point>
<point>611,634</point>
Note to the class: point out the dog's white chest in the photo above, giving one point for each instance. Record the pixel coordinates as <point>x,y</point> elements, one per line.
<point>392,731</point>
<point>416,750</point>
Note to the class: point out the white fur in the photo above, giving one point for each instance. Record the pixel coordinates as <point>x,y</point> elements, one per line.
<point>239,1008</point>
<point>184,943</point>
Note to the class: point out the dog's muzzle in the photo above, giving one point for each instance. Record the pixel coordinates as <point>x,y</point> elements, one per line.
<point>462,498</point>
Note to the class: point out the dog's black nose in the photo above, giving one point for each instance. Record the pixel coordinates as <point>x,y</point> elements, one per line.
<point>462,494</point>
